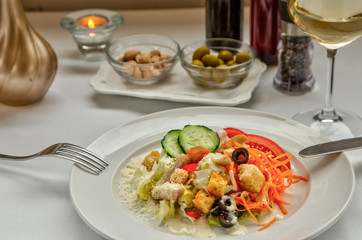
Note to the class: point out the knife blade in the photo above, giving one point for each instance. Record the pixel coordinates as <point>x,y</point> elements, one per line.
<point>332,147</point>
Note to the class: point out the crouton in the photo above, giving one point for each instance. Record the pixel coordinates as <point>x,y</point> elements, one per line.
<point>232,143</point>
<point>168,191</point>
<point>179,176</point>
<point>241,139</point>
<point>180,161</point>
<point>217,184</point>
<point>203,201</point>
<point>250,178</point>
<point>150,159</point>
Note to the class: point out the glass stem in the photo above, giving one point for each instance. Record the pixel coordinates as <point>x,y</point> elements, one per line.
<point>328,112</point>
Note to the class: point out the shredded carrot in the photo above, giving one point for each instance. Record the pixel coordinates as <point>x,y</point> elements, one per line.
<point>228,154</point>
<point>297,177</point>
<point>248,209</point>
<point>278,177</point>
<point>268,224</point>
<point>281,207</point>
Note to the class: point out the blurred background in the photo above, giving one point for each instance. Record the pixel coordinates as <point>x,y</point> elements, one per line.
<point>66,5</point>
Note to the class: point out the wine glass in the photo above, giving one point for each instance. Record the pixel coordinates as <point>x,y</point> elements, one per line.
<point>334,24</point>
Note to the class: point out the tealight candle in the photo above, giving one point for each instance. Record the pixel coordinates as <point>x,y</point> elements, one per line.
<point>92,30</point>
<point>92,21</point>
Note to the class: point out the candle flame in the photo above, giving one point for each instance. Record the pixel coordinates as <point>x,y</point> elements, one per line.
<point>91,23</point>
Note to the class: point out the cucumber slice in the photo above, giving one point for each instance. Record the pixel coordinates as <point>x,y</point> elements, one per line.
<point>170,143</point>
<point>198,135</point>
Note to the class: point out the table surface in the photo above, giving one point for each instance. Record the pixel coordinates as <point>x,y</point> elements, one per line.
<point>34,195</point>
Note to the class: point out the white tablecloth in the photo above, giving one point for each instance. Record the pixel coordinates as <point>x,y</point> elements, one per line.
<point>34,195</point>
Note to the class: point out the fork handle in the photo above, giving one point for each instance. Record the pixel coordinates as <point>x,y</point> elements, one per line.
<point>18,158</point>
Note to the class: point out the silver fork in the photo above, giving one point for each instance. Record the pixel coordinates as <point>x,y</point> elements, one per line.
<point>82,157</point>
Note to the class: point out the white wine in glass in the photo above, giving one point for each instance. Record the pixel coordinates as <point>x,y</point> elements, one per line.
<point>334,24</point>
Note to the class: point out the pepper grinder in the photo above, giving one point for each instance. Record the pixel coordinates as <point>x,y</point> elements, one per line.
<point>294,76</point>
<point>224,19</point>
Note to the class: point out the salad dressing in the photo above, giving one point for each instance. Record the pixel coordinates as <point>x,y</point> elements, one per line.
<point>237,230</point>
<point>266,216</point>
<point>198,229</point>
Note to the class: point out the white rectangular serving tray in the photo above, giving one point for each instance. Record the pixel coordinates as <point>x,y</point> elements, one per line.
<point>178,87</point>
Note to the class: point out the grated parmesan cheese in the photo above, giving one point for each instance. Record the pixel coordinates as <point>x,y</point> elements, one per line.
<point>146,210</point>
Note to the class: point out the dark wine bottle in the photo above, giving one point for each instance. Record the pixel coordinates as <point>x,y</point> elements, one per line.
<point>224,19</point>
<point>265,29</point>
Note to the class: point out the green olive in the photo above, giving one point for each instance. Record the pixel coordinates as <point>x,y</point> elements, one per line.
<point>207,74</point>
<point>221,62</point>
<point>221,73</point>
<point>210,60</point>
<point>197,62</point>
<point>242,57</point>
<point>221,66</point>
<point>200,52</point>
<point>225,55</point>
<point>231,63</point>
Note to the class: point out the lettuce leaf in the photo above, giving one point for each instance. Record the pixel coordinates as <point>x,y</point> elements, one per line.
<point>145,180</point>
<point>208,163</point>
<point>167,209</point>
<point>202,178</point>
<point>246,218</point>
<point>214,221</point>
<point>186,199</point>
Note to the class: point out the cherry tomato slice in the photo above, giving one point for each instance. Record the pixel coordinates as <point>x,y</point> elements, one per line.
<point>264,144</point>
<point>231,132</point>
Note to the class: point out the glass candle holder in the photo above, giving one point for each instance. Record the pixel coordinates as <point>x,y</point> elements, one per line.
<point>92,30</point>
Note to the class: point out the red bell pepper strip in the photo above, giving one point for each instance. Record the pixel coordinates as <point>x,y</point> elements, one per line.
<point>194,215</point>
<point>189,167</point>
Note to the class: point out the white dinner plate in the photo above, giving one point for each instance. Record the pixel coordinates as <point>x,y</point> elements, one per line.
<point>315,205</point>
<point>178,87</point>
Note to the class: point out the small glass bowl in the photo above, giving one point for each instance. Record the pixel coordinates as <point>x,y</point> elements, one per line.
<point>143,72</point>
<point>225,77</point>
<point>92,42</point>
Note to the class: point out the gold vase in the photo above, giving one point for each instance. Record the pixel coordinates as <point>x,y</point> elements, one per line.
<point>27,61</point>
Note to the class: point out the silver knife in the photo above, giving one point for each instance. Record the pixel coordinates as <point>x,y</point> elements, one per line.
<point>332,147</point>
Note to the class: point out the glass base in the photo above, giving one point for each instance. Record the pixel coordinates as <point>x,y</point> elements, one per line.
<point>346,125</point>
<point>93,56</point>
<point>92,52</point>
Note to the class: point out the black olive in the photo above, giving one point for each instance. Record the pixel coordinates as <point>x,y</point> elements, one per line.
<point>215,204</point>
<point>216,211</point>
<point>225,220</point>
<point>240,156</point>
<point>239,212</point>
<point>224,204</point>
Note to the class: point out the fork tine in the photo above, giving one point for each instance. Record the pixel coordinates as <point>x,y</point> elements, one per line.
<point>86,158</point>
<point>80,156</point>
<point>84,152</point>
<point>80,162</point>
